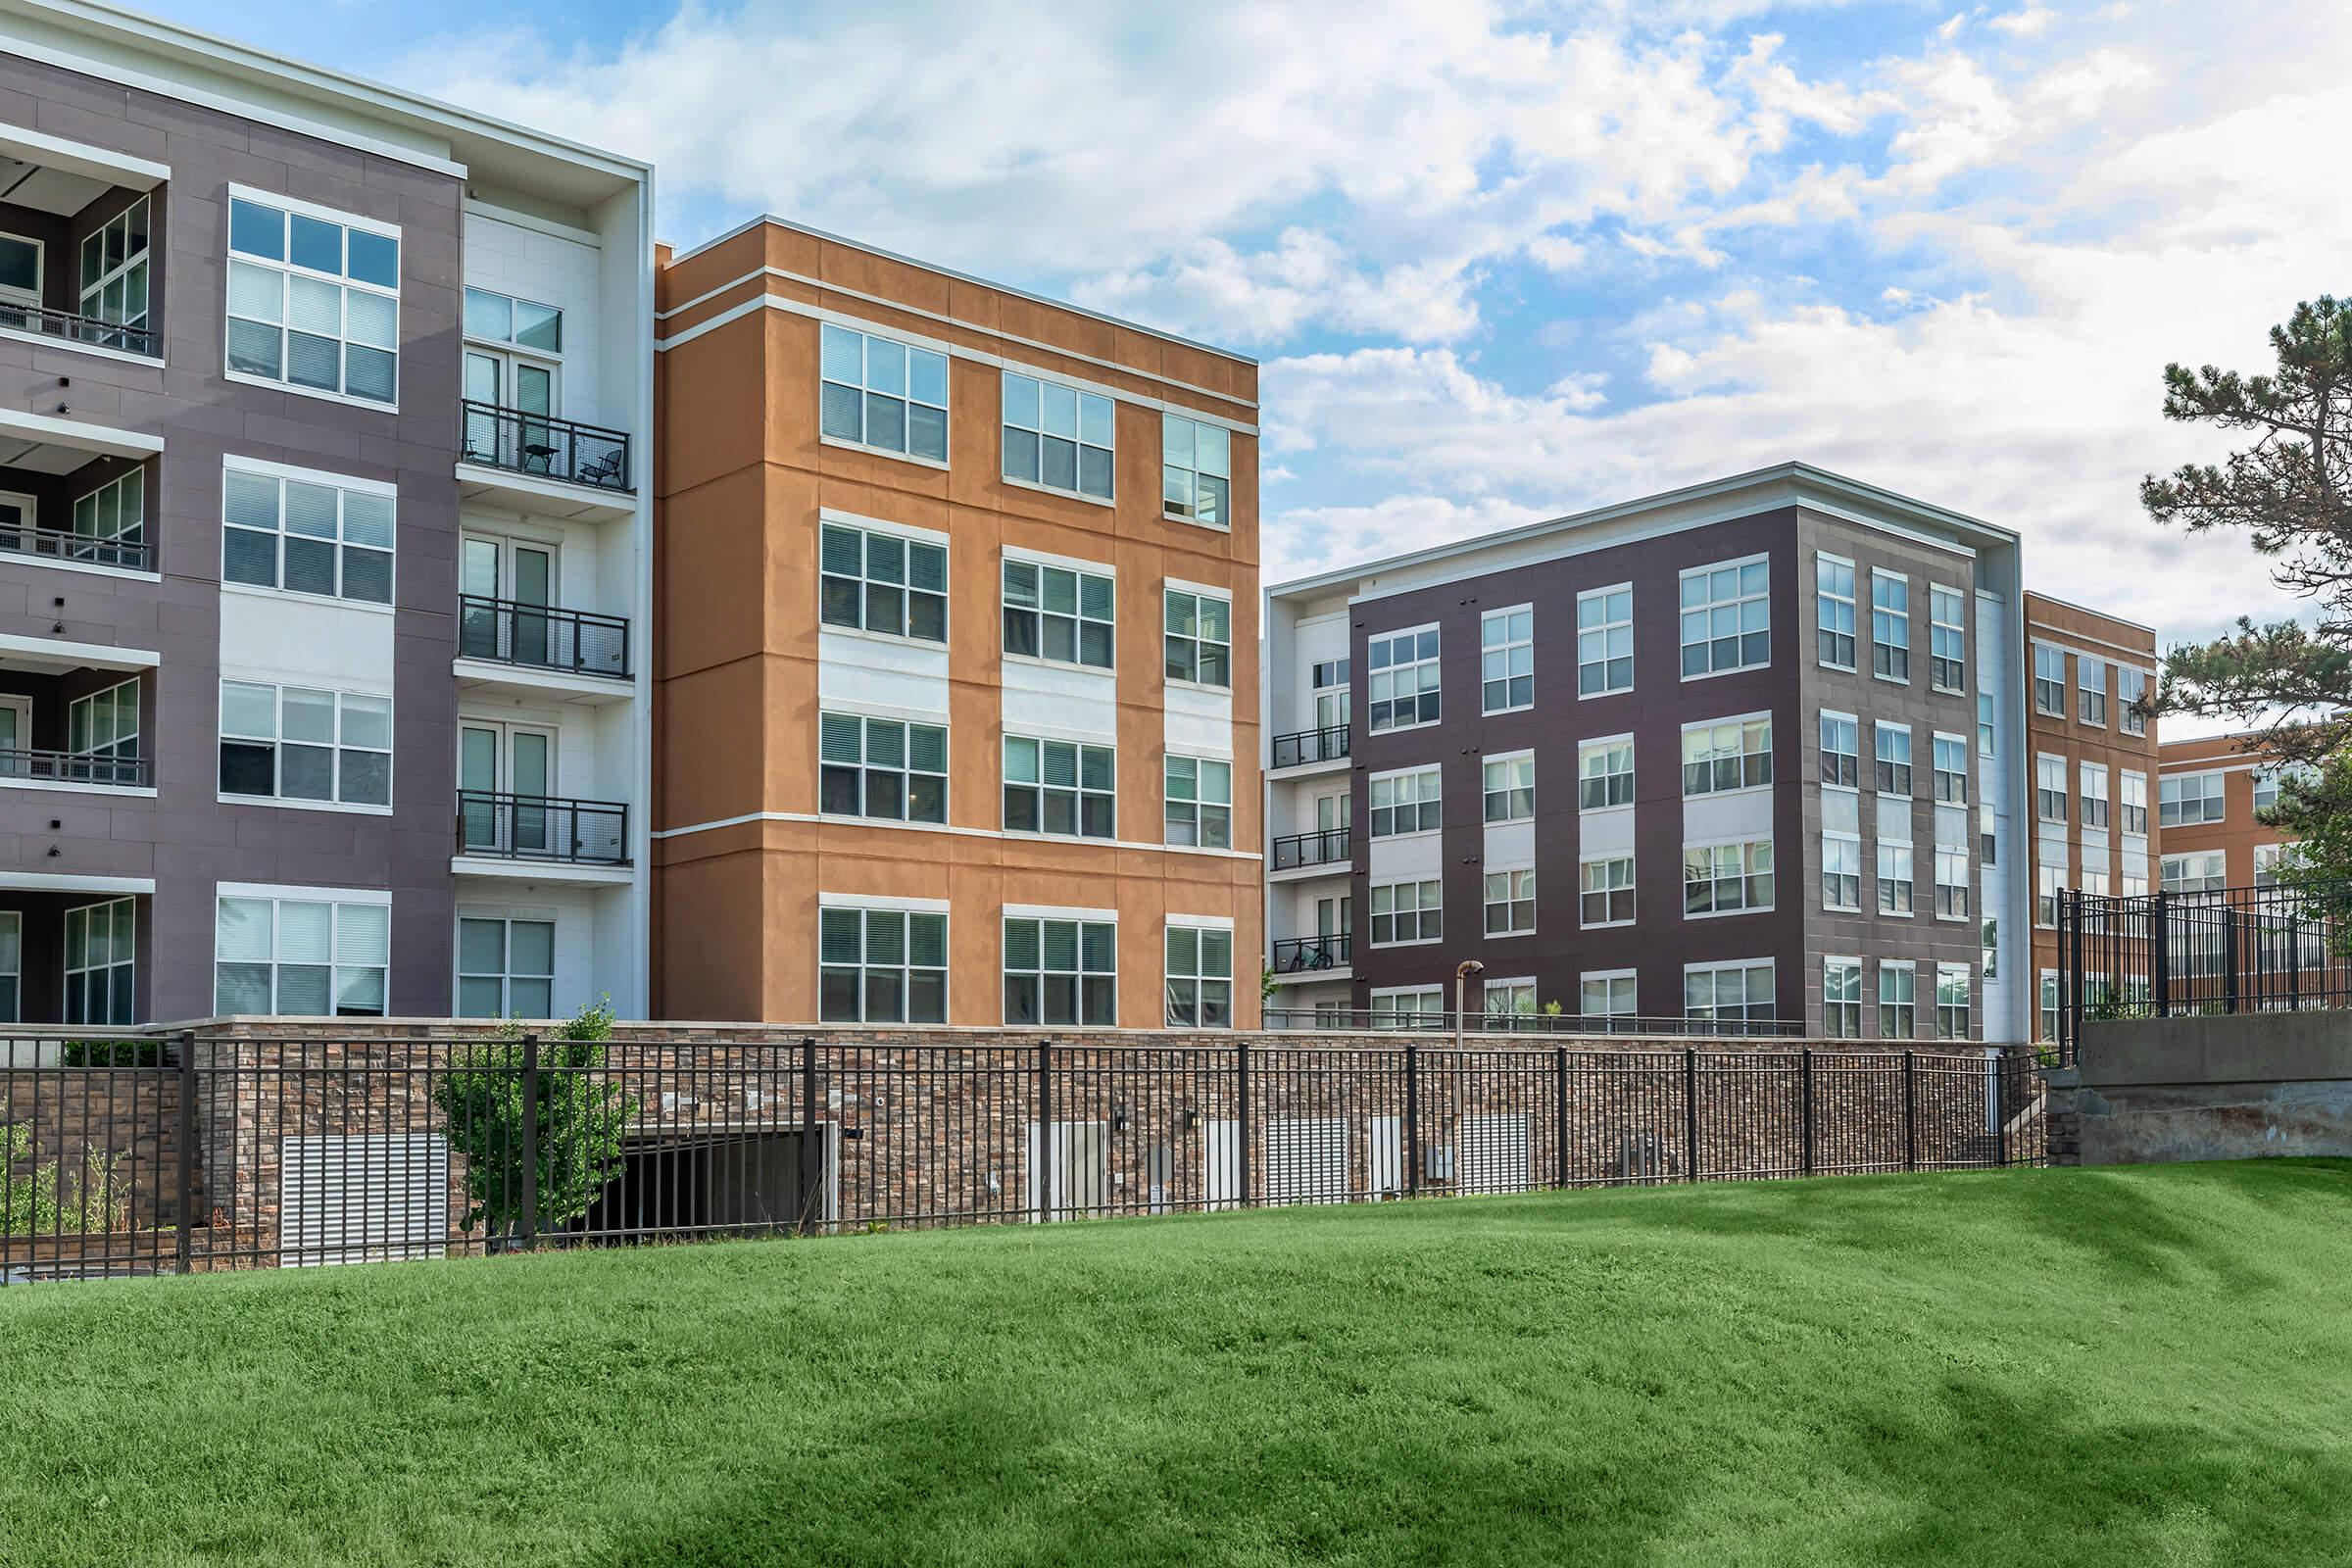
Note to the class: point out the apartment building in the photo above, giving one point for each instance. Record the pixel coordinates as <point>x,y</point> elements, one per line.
<point>1739,753</point>
<point>2094,767</point>
<point>2211,795</point>
<point>323,550</point>
<point>956,674</point>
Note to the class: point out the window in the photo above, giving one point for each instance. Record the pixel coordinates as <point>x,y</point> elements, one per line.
<point>1199,801</point>
<point>2049,878</point>
<point>22,263</point>
<point>1062,972</point>
<point>2091,676</point>
<point>1988,838</point>
<point>1947,639</point>
<point>875,581</point>
<point>1060,787</point>
<point>1506,660</point>
<point>1606,774</point>
<point>1984,725</point>
<point>1727,618</point>
<point>1504,1000</point>
<point>2204,871</point>
<point>2049,788</point>
<point>1890,626</point>
<point>1404,679</point>
<point>1992,947</point>
<point>1834,610</point>
<point>291,742</point>
<point>1408,1008</point>
<point>1895,864</point>
<point>1196,472</point>
<point>1730,755</point>
<point>1604,641</point>
<point>1408,912</point>
<point>1841,866</point>
<point>1200,976</point>
<point>2186,798</point>
<point>1729,993</point>
<point>2093,883</point>
<point>114,269</point>
<point>2094,796</point>
<point>2268,782</point>
<point>1058,614</point>
<point>1605,891</point>
<point>1842,997</point>
<point>889,396</point>
<point>1727,878</point>
<point>1951,769</point>
<point>1898,1000</point>
<point>882,966</point>
<point>2048,1009</point>
<point>1406,803</point>
<point>1893,742</point>
<point>1510,903</point>
<point>307,957</point>
<point>314,535</point>
<point>492,318</point>
<point>101,962</point>
<point>1610,994</point>
<point>2131,690</point>
<point>1200,632</point>
<point>1841,741</point>
<point>106,723</point>
<point>1951,1002</point>
<point>1510,788</point>
<point>2050,681</point>
<point>2133,803</point>
<point>314,303</point>
<point>1058,436</point>
<point>1329,682</point>
<point>12,966</point>
<point>505,968</point>
<point>883,768</point>
<point>2269,859</point>
<point>1952,883</point>
<point>111,517</point>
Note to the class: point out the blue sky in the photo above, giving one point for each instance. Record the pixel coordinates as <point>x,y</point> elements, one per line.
<point>1500,261</point>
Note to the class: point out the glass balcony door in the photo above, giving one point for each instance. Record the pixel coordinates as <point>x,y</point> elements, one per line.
<point>516,575</point>
<point>508,759</point>
<point>511,381</point>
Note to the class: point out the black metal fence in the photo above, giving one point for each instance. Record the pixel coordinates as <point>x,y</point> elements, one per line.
<point>2220,950</point>
<point>203,1154</point>
<point>69,327</point>
<point>60,544</point>
<point>1407,1017</point>
<point>1328,847</point>
<point>1300,748</point>
<point>543,827</point>
<point>75,768</point>
<point>545,447</point>
<point>578,642</point>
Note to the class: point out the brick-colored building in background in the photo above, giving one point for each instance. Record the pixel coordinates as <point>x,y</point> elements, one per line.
<point>2213,789</point>
<point>948,569</point>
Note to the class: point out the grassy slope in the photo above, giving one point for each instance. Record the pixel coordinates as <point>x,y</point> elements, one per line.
<point>2143,1367</point>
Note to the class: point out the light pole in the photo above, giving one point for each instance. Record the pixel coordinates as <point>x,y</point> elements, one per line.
<point>1463,973</point>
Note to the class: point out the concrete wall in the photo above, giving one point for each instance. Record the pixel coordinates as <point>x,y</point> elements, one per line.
<point>2236,1087</point>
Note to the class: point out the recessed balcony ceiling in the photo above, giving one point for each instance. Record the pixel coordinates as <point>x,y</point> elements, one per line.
<point>45,189</point>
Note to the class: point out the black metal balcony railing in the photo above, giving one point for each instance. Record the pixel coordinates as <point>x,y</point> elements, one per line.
<point>1434,1019</point>
<point>1303,955</point>
<point>578,642</point>
<point>77,768</point>
<point>57,544</point>
<point>68,328</point>
<point>1302,747</point>
<point>543,827</point>
<point>545,447</point>
<point>1310,848</point>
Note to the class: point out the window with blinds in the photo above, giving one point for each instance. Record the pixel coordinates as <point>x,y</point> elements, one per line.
<point>306,533</point>
<point>1060,971</point>
<point>314,301</point>
<point>1060,787</point>
<point>1057,615</point>
<point>884,768</point>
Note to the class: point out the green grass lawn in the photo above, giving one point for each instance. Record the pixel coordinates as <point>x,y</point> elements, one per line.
<point>2147,1367</point>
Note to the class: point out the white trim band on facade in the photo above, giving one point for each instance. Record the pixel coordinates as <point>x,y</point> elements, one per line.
<point>291,890</point>
<point>1056,911</point>
<point>101,440</point>
<point>56,651</point>
<point>748,817</point>
<point>876,901</point>
<point>101,164</point>
<point>67,882</point>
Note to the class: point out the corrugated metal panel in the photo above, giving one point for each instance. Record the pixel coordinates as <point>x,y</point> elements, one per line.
<point>362,1199</point>
<point>1307,1160</point>
<point>1494,1153</point>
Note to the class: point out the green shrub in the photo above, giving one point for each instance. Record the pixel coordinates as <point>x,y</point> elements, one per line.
<point>111,1054</point>
<point>580,1119</point>
<point>51,1201</point>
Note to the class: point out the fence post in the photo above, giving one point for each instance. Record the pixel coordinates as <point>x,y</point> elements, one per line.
<point>184,1231</point>
<point>1691,1113</point>
<point>1047,1170</point>
<point>1559,1110</point>
<point>1910,1111</point>
<point>1804,1103</point>
<point>2000,1109</point>
<point>527,1231</point>
<point>1240,1071</point>
<point>2160,958</point>
<point>1412,1119</point>
<point>2230,923</point>
<point>811,1166</point>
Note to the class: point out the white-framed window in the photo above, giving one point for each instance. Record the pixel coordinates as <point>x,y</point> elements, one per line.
<point>1605,773</point>
<point>1895,866</point>
<point>313,298</point>
<point>883,582</point>
<point>113,268</point>
<point>1058,614</point>
<point>1987,726</point>
<point>101,951</point>
<point>1952,883</point>
<point>881,965</point>
<point>294,742</point>
<point>1727,618</point>
<point>1604,890</point>
<point>1991,940</point>
<point>1893,744</point>
<point>1604,641</point>
<point>1510,787</point>
<point>1841,850</point>
<point>307,532</point>
<point>1328,684</point>
<point>1899,1000</point>
<point>1506,660</point>
<point>1404,679</point>
<point>111,516</point>
<point>1951,769</point>
<point>1952,1001</point>
<point>2184,800</point>
<point>513,360</point>
<point>1947,638</point>
<point>1409,1006</point>
<point>11,967</point>
<point>1200,977</point>
<point>1740,992</point>
<point>2049,879</point>
<point>2050,681</point>
<point>105,724</point>
<point>2049,788</point>
<point>1834,610</point>
<point>1988,838</point>
<point>2131,690</point>
<point>2046,1012</point>
<point>881,394</point>
<point>1841,751</point>
<point>2268,858</point>
<point>1199,638</point>
<point>1062,972</point>
<point>2094,796</point>
<point>2132,803</point>
<point>302,956</point>
<point>1889,625</point>
<point>505,968</point>
<point>1196,468</point>
<point>2268,780</point>
<point>1199,801</point>
<point>1507,1000</point>
<point>1727,878</point>
<point>2134,884</point>
<point>2093,882</point>
<point>24,263</point>
<point>2198,871</point>
<point>1406,912</point>
<point>1058,437</point>
<point>2090,678</point>
<point>1724,755</point>
<point>1061,788</point>
<point>513,322</point>
<point>1406,803</point>
<point>887,769</point>
<point>1607,993</point>
<point>1842,997</point>
<point>1510,903</point>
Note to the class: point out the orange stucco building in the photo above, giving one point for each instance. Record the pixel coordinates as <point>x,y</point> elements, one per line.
<point>956,679</point>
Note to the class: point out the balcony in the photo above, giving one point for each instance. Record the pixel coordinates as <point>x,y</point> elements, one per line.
<point>538,463</point>
<point>545,829</point>
<point>123,552</point>
<point>1309,955</point>
<point>543,646</point>
<point>77,227</point>
<point>80,331</point>
<point>90,769</point>
<point>1302,852</point>
<point>1310,748</point>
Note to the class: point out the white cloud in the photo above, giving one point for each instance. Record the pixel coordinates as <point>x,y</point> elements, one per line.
<point>2029,22</point>
<point>1303,541</point>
